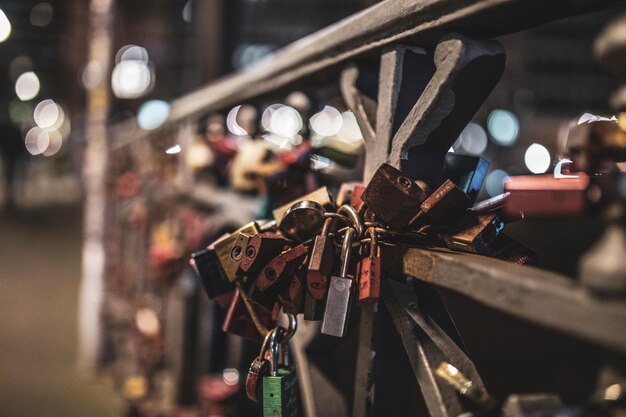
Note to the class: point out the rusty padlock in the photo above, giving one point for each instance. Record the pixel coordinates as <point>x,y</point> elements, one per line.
<point>394,197</point>
<point>321,262</point>
<point>445,205</point>
<point>292,299</point>
<point>368,272</point>
<point>281,267</point>
<point>261,249</point>
<point>239,322</point>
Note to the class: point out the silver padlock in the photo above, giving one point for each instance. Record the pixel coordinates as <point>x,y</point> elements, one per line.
<point>340,289</point>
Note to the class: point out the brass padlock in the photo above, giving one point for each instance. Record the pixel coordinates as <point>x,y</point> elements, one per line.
<point>233,269</point>
<point>321,196</point>
<point>302,220</point>
<point>224,246</point>
<point>394,197</point>
<point>475,233</point>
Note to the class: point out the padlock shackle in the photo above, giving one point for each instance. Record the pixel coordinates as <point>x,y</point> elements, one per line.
<point>354,217</point>
<point>328,223</point>
<point>371,231</point>
<point>346,248</point>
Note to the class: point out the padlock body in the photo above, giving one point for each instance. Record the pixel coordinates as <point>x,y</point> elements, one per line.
<point>224,245</point>
<point>393,197</point>
<point>446,204</point>
<point>236,255</point>
<point>292,298</point>
<point>281,267</point>
<point>239,322</point>
<point>467,172</point>
<point>338,303</point>
<point>369,270</point>
<point>313,308</point>
<point>280,394</point>
<point>260,250</point>
<point>476,233</point>
<point>546,196</point>
<point>210,273</point>
<point>320,266</point>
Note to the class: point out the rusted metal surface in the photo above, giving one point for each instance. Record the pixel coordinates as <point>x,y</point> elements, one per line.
<point>418,22</point>
<point>528,293</point>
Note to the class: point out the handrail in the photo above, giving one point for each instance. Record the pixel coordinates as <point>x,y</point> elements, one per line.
<point>420,22</point>
<point>539,296</point>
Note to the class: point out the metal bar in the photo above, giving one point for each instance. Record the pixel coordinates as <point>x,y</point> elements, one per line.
<point>528,293</point>
<point>420,22</point>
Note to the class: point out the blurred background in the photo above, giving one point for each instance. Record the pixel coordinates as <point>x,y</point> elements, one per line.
<point>74,69</point>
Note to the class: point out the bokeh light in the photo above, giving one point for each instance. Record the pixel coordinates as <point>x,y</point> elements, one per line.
<point>47,114</point>
<point>187,11</point>
<point>36,140</point>
<point>350,132</point>
<point>286,122</point>
<point>231,122</point>
<point>55,141</point>
<point>266,117</point>
<point>327,122</point>
<point>473,139</point>
<point>537,158</point>
<point>173,150</point>
<point>503,126</point>
<point>230,376</point>
<point>494,183</point>
<point>147,322</point>
<point>5,26</point>
<point>41,15</point>
<point>132,76</point>
<point>152,114</point>
<point>27,86</point>
<point>19,66</point>
<point>92,75</point>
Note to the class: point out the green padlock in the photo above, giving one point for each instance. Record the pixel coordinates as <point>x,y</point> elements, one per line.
<point>280,387</point>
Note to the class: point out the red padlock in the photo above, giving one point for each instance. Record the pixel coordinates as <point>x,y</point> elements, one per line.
<point>369,270</point>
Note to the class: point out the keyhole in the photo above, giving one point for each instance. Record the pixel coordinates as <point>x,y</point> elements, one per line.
<point>250,252</point>
<point>405,182</point>
<point>270,274</point>
<point>236,253</point>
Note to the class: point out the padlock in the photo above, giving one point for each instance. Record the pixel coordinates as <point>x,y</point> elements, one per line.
<point>209,270</point>
<point>302,220</point>
<point>394,197</point>
<point>321,262</point>
<point>357,201</point>
<point>265,300</point>
<point>224,246</point>
<point>260,250</point>
<point>467,172</point>
<point>510,250</point>
<point>292,298</point>
<point>446,204</point>
<point>474,233</point>
<point>368,272</point>
<point>281,267</point>
<point>259,368</point>
<point>346,191</point>
<point>321,196</point>
<point>280,387</point>
<point>339,298</point>
<point>237,252</point>
<point>239,322</point>
<point>313,308</point>
<point>544,195</point>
